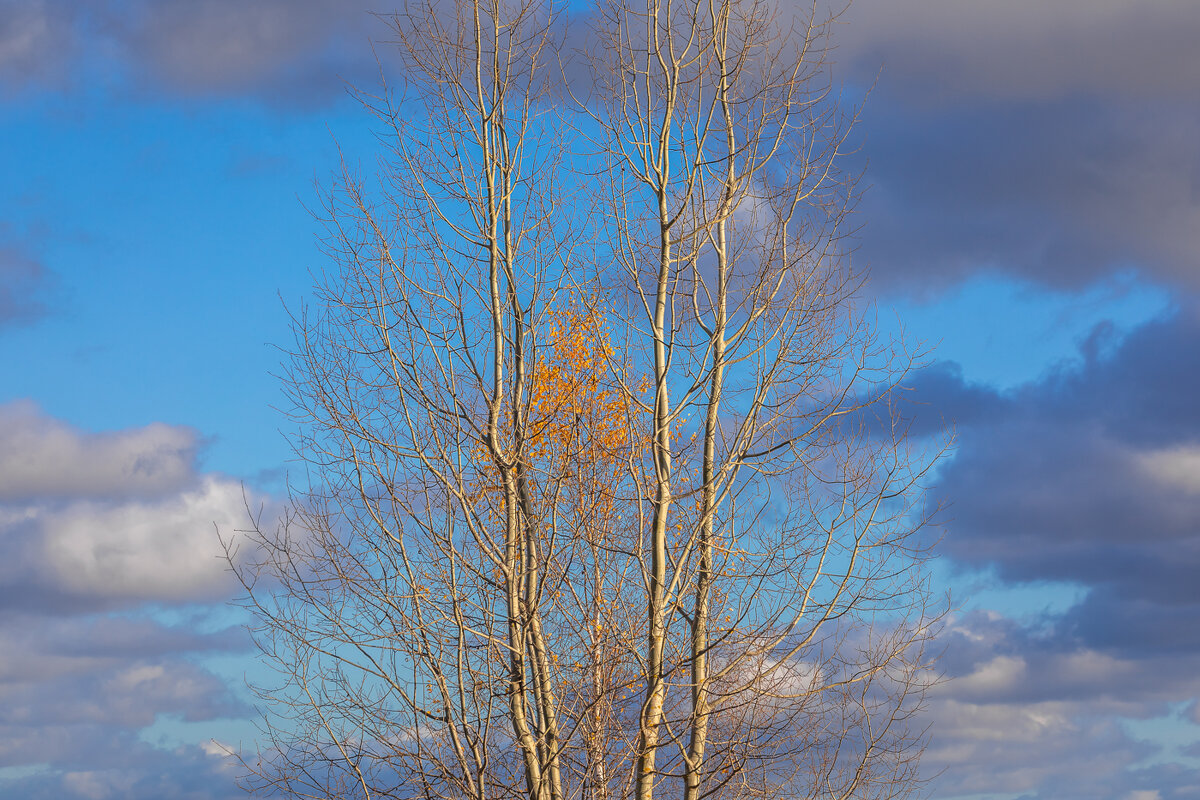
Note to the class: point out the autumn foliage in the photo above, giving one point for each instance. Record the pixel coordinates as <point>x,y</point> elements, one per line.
<point>555,549</point>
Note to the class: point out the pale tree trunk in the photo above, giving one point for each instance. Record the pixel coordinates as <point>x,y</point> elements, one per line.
<point>596,509</point>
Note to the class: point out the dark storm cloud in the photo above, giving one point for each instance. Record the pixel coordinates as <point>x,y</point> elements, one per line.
<point>1058,141</point>
<point>1059,192</point>
<point>943,49</point>
<point>1091,476</point>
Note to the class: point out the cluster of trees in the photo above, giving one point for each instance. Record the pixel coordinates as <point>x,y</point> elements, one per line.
<point>604,498</point>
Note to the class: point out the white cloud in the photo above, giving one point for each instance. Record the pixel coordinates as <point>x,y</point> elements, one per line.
<point>1175,467</point>
<point>1000,674</point>
<point>44,457</point>
<point>110,518</point>
<point>162,550</point>
<point>97,785</point>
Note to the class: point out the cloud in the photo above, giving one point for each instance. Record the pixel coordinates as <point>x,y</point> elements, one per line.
<point>1029,711</point>
<point>996,660</point>
<point>288,47</point>
<point>1085,477</point>
<point>129,695</point>
<point>140,772</point>
<point>1027,49</point>
<point>1059,192</point>
<point>23,281</point>
<point>108,519</point>
<point>91,524</point>
<point>75,691</point>
<point>1018,749</point>
<point>38,41</point>
<point>98,520</point>
<point>43,458</point>
<point>938,397</point>
<point>166,551</point>
<point>1055,141</point>
<point>280,50</point>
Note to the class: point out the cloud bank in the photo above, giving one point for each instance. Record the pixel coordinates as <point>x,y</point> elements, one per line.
<point>98,533</point>
<point>1086,477</point>
<point>1054,141</point>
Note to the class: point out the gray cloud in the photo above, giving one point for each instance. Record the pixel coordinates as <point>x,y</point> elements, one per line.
<point>1090,475</point>
<point>938,398</point>
<point>1087,477</point>
<point>44,458</point>
<point>1050,500</point>
<point>1028,49</point>
<point>1057,141</point>
<point>996,750</point>
<point>285,51</point>
<point>128,696</point>
<point>288,49</point>
<point>39,39</point>
<point>1141,393</point>
<point>1027,710</point>
<point>132,770</point>
<point>74,692</point>
<point>995,660</point>
<point>1058,192</point>
<point>89,523</point>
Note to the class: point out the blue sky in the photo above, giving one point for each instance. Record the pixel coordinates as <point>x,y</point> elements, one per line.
<point>1033,210</point>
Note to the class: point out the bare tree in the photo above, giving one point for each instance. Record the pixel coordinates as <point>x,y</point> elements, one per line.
<point>604,494</point>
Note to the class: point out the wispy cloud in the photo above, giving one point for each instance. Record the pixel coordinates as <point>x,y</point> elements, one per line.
<point>24,282</point>
<point>39,40</point>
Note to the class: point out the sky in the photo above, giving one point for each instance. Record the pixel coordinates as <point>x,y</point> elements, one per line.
<point>1032,212</point>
